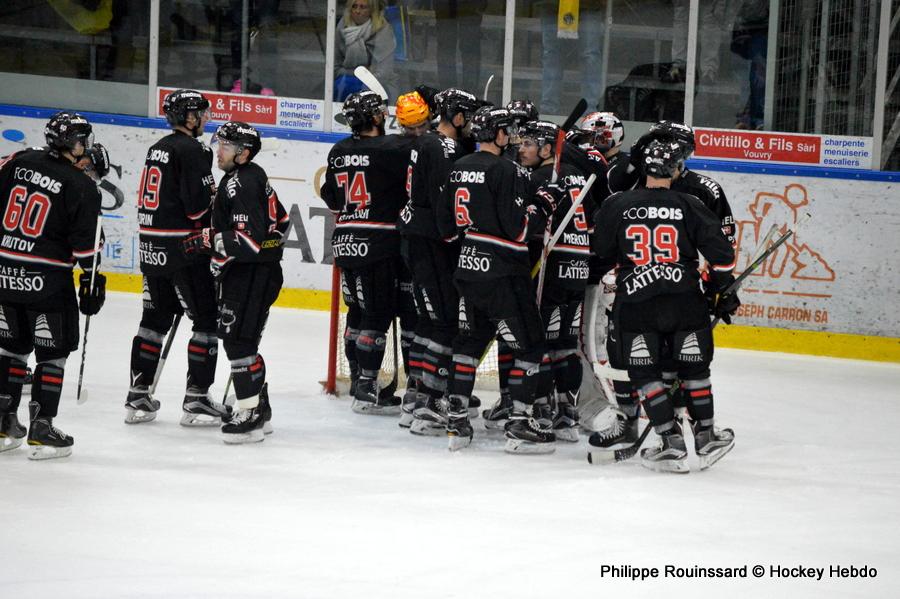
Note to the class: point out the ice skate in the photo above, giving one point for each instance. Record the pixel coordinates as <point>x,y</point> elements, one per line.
<point>45,441</point>
<point>497,417</point>
<point>431,419</point>
<point>199,409</point>
<point>247,424</point>
<point>530,431</point>
<point>367,401</point>
<point>670,454</point>
<point>459,429</point>
<point>11,431</point>
<point>712,444</point>
<point>411,400</point>
<point>565,421</point>
<point>140,406</point>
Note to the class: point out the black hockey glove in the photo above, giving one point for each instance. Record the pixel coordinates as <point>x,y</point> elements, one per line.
<point>548,197</point>
<point>721,305</point>
<point>201,242</point>
<point>90,302</point>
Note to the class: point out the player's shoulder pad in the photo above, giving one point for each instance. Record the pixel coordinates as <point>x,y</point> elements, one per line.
<point>708,183</point>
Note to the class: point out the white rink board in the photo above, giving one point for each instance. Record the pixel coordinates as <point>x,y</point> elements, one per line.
<point>838,275</point>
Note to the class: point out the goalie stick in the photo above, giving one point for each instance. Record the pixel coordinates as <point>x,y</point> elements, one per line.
<point>760,254</point>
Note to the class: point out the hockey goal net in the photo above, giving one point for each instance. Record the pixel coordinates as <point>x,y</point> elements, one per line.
<point>337,381</point>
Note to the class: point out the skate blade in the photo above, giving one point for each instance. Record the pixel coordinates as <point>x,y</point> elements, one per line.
<point>370,409</point>
<point>456,442</point>
<point>254,436</point>
<point>200,420</point>
<point>267,428</point>
<point>569,435</point>
<point>673,466</point>
<point>496,425</point>
<point>10,443</point>
<point>518,446</point>
<point>138,416</point>
<point>711,458</point>
<point>427,428</point>
<point>47,452</point>
<point>406,419</point>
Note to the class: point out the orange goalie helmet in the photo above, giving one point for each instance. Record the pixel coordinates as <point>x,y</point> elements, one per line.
<point>412,110</point>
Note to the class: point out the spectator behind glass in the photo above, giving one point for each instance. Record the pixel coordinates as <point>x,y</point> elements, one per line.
<point>750,41</point>
<point>580,20</point>
<point>364,38</point>
<point>711,18</point>
<point>459,25</point>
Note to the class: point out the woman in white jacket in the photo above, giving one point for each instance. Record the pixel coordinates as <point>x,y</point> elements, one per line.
<point>366,39</point>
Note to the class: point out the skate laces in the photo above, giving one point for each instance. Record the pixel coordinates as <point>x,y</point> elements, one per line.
<point>242,416</point>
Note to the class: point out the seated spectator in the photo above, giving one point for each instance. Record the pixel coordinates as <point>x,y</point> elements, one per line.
<point>364,38</point>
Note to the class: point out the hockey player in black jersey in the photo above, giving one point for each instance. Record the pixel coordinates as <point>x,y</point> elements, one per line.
<point>245,241</point>
<point>566,274</point>
<point>51,213</point>
<point>484,199</point>
<point>431,261</point>
<point>653,236</point>
<point>364,187</point>
<point>174,198</point>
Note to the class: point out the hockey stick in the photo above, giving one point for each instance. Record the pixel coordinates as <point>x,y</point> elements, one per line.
<point>760,259</point>
<point>165,354</point>
<point>576,113</point>
<point>370,81</point>
<point>557,162</point>
<point>392,386</point>
<point>82,394</point>
<point>487,87</point>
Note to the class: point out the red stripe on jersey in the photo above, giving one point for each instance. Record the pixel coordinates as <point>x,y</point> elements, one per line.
<point>253,245</point>
<point>497,240</point>
<point>725,267</point>
<point>197,215</point>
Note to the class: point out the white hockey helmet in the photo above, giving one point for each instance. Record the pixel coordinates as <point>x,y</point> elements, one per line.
<point>607,130</point>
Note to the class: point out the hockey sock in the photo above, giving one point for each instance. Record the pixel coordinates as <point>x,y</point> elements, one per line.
<point>700,401</point>
<point>523,378</point>
<point>462,375</point>
<point>416,357</point>
<point>544,385</point>
<point>567,372</point>
<point>350,337</point>
<point>46,387</point>
<point>504,364</point>
<point>145,351</point>
<point>370,352</point>
<point>676,393</point>
<point>657,405</point>
<point>12,377</point>
<point>436,367</point>
<point>202,354</point>
<point>249,376</point>
<point>626,397</point>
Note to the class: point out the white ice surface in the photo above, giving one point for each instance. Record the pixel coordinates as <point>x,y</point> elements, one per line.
<point>336,504</point>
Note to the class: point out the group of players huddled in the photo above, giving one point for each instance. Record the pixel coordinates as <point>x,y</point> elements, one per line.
<point>445,227</point>
<point>209,251</point>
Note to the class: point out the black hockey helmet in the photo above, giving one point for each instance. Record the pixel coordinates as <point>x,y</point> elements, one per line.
<point>361,108</point>
<point>182,102</point>
<point>454,100</point>
<point>239,134</point>
<point>663,158</point>
<point>523,111</point>
<point>99,156</point>
<point>542,132</point>
<point>65,129</point>
<point>683,134</point>
<point>487,121</point>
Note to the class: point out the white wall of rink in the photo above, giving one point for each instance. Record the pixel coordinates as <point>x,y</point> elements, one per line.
<point>839,274</point>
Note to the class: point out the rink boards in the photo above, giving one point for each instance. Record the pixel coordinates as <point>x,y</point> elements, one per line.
<point>832,290</point>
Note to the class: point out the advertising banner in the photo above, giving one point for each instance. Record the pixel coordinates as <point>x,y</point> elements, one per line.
<point>834,151</point>
<point>838,274</point>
